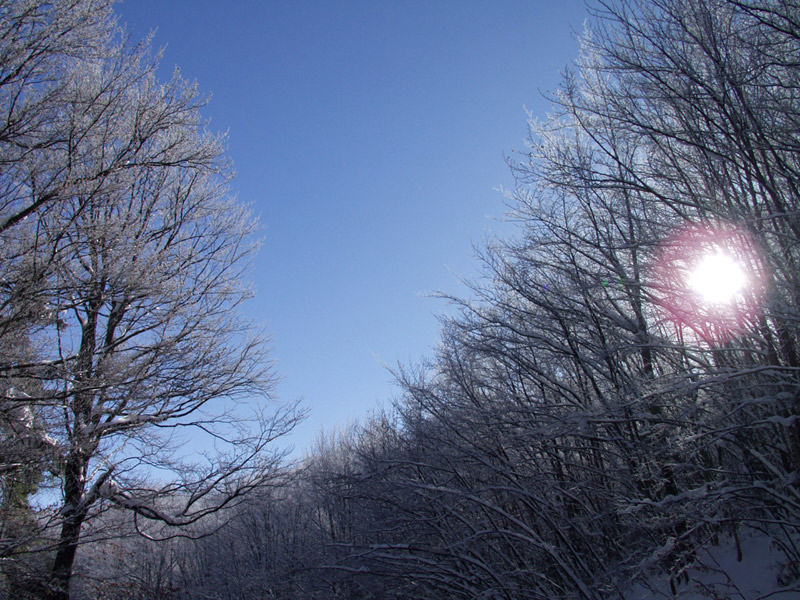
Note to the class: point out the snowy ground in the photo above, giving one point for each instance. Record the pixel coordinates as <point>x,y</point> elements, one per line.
<point>720,576</point>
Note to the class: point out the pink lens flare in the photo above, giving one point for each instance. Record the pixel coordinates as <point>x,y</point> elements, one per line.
<point>709,281</point>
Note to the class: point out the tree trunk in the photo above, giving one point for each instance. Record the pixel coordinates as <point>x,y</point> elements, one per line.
<point>58,588</point>
<point>74,513</point>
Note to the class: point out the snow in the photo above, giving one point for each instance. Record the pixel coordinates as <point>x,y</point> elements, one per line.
<point>719,575</point>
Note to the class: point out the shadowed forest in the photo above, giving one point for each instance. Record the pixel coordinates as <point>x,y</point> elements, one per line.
<point>612,413</point>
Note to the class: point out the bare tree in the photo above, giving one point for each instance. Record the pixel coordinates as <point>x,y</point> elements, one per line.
<point>122,243</point>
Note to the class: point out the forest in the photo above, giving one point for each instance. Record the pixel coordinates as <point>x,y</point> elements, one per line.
<point>613,408</point>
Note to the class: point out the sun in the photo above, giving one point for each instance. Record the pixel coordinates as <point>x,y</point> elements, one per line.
<point>718,278</point>
<point>708,281</point>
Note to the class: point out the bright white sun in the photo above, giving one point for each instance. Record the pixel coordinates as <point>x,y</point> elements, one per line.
<point>717,278</point>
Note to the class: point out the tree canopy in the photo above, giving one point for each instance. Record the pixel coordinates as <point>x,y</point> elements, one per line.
<point>123,257</point>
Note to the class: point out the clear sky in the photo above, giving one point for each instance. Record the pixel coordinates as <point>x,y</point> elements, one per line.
<point>370,137</point>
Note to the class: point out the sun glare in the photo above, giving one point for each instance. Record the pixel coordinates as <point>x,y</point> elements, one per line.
<point>709,280</point>
<point>718,278</point>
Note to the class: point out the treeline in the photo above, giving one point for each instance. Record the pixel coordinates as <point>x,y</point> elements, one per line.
<point>589,419</point>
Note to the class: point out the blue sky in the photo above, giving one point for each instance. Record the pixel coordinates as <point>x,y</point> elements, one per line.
<point>371,138</point>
